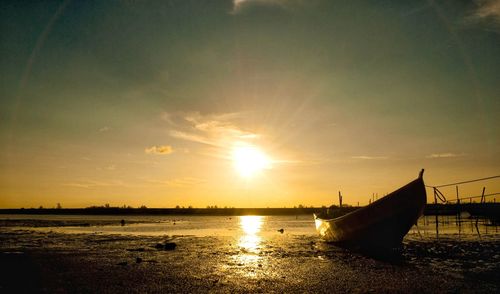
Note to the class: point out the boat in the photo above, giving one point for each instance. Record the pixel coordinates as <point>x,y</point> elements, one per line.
<point>381,224</point>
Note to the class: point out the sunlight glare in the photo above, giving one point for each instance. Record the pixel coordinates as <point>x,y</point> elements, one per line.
<point>251,224</point>
<point>250,241</point>
<point>249,160</point>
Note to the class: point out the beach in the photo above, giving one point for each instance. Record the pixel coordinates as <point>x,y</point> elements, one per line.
<point>47,260</point>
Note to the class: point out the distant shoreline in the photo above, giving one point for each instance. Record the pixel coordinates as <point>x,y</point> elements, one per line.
<point>486,209</point>
<point>164,211</point>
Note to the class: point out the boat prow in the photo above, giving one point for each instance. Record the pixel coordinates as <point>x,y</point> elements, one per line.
<point>383,223</point>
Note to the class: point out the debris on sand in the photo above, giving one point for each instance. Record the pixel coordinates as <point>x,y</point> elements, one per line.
<point>281,230</point>
<point>170,246</point>
<point>166,246</point>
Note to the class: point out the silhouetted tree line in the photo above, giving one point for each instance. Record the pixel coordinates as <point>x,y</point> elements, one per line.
<point>480,209</point>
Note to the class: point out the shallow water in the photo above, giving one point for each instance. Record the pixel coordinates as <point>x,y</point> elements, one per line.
<point>200,226</point>
<point>451,227</point>
<point>448,227</point>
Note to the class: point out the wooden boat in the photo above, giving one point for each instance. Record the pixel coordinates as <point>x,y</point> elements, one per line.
<point>382,224</point>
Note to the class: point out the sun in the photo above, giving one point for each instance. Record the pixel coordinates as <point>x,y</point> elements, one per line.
<point>249,160</point>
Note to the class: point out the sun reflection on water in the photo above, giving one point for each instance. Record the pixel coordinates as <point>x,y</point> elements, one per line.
<point>250,241</point>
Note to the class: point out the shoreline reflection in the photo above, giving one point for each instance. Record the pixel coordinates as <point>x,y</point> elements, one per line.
<point>250,240</point>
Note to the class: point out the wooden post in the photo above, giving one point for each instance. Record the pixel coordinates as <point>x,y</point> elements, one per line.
<point>340,200</point>
<point>477,217</point>
<point>435,204</point>
<point>458,209</point>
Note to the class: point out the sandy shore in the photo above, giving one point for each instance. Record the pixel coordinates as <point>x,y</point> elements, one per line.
<point>34,261</point>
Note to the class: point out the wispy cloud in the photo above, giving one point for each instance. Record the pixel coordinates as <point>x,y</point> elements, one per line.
<point>178,182</point>
<point>240,5</point>
<point>217,130</point>
<point>108,167</point>
<point>111,167</point>
<point>365,157</point>
<point>488,12</point>
<point>87,184</point>
<point>445,155</point>
<point>489,9</point>
<point>191,137</point>
<point>104,129</point>
<point>162,150</point>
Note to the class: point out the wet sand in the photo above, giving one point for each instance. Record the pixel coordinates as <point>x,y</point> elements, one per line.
<point>37,261</point>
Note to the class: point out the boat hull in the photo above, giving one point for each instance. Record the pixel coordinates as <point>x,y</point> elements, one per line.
<point>384,223</point>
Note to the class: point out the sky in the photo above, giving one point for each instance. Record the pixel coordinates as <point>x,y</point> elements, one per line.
<point>244,103</point>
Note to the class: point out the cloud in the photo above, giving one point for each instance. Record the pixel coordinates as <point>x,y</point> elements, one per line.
<point>218,130</point>
<point>78,185</point>
<point>445,155</point>
<point>212,135</point>
<point>87,184</point>
<point>178,182</point>
<point>249,136</point>
<point>111,167</point>
<point>487,11</point>
<point>191,137</point>
<point>104,129</point>
<point>163,150</point>
<point>365,157</point>
<point>240,5</point>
